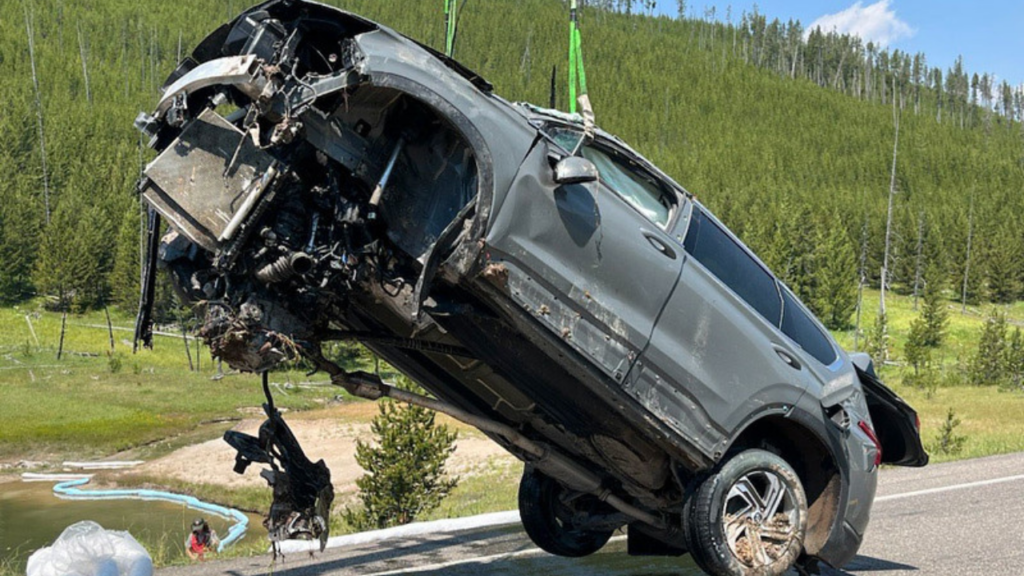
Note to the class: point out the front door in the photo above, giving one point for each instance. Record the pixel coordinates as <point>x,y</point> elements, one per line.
<point>592,262</point>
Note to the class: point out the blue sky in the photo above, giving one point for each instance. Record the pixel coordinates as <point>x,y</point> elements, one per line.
<point>988,33</point>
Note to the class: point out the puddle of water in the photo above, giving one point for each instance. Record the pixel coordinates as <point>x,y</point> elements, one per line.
<point>32,517</point>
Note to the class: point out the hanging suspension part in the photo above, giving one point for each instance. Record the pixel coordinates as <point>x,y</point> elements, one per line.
<point>303,492</point>
<point>543,456</point>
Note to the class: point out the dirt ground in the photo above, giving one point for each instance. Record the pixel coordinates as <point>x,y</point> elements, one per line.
<point>329,434</point>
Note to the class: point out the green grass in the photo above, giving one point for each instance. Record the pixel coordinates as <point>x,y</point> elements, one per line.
<point>962,331</point>
<point>88,406</point>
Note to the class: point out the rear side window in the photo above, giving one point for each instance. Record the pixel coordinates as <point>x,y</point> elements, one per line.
<point>710,245</point>
<point>801,329</point>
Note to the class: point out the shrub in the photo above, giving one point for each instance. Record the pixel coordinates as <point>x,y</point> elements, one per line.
<point>988,366</point>
<point>405,468</point>
<point>949,442</point>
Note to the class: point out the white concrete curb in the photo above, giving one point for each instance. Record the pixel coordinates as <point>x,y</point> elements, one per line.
<point>447,526</point>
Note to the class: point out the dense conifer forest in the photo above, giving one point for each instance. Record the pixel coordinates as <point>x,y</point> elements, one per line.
<point>789,138</point>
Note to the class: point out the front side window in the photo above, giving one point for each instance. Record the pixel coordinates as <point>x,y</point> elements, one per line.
<point>801,329</point>
<point>638,190</point>
<point>710,245</point>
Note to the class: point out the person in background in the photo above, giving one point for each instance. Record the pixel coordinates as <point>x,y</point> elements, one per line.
<point>200,541</point>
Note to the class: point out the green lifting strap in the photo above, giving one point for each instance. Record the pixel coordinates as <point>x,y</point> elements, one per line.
<point>577,73</point>
<point>451,9</point>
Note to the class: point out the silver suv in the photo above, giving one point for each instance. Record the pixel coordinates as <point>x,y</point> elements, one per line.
<point>326,178</point>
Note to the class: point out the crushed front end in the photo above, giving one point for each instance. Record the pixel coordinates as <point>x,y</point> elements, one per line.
<point>299,180</point>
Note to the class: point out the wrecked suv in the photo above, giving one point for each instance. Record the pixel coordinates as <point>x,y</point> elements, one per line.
<point>325,178</point>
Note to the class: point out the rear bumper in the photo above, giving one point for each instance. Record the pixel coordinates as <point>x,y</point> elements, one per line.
<point>843,546</point>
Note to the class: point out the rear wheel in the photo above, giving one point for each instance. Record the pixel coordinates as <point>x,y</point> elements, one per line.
<point>748,518</point>
<point>548,517</point>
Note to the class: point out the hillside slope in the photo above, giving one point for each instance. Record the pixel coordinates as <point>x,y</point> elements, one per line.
<point>800,171</point>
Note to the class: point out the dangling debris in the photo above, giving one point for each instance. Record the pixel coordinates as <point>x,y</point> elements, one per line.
<point>302,490</point>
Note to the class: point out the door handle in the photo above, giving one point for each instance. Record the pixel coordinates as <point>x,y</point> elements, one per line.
<point>788,359</point>
<point>659,244</point>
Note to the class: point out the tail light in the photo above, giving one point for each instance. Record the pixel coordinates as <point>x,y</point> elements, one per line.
<point>871,434</point>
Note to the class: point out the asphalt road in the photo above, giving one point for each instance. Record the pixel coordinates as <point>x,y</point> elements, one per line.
<point>956,519</point>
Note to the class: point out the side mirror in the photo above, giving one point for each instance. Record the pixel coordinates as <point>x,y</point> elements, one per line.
<point>575,170</point>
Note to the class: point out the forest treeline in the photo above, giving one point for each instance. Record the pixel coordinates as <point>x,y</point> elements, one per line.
<point>787,137</point>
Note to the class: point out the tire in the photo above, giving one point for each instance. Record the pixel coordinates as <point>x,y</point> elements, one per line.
<point>544,519</point>
<point>748,518</point>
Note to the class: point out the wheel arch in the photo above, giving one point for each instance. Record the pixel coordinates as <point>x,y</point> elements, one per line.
<point>806,448</point>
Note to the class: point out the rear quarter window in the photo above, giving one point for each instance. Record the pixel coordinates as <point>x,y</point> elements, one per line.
<point>801,329</point>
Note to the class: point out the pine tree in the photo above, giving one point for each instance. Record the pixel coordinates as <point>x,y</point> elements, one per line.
<point>878,340</point>
<point>934,314</point>
<point>916,350</point>
<point>988,366</point>
<point>405,471</point>
<point>124,278</point>
<point>20,220</point>
<point>833,295</point>
<point>1015,360</point>
<point>74,253</point>
<point>1002,265</point>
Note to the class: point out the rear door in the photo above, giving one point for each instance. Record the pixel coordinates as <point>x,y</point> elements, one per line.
<point>716,358</point>
<point>592,262</point>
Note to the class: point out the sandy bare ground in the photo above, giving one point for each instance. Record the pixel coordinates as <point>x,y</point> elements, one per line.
<point>329,434</point>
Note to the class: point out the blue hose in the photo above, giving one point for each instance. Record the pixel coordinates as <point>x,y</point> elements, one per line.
<point>71,490</point>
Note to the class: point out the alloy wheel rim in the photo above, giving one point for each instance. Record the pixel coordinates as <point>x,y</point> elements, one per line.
<point>760,518</point>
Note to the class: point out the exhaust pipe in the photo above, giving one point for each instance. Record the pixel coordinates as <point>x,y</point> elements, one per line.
<point>545,458</point>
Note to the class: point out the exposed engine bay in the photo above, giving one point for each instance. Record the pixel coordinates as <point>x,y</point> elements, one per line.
<point>314,187</point>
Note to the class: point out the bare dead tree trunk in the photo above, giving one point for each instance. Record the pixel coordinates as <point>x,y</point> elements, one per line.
<point>188,351</point>
<point>888,222</point>
<point>967,260</point>
<point>917,264</point>
<point>526,63</point>
<point>152,59</point>
<point>83,53</point>
<point>863,273</point>
<point>199,361</point>
<point>32,329</point>
<point>39,112</point>
<point>839,72</point>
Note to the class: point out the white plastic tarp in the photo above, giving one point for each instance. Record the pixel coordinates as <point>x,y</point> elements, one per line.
<point>86,549</point>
